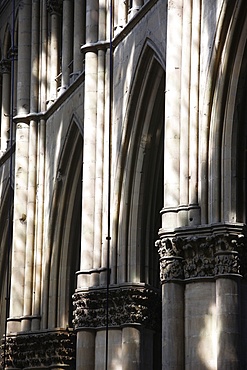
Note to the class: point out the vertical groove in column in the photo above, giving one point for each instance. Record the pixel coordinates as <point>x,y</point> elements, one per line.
<point>32,157</point>
<point>42,246</point>
<point>39,216</point>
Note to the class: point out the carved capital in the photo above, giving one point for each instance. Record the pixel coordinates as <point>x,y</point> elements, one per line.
<point>171,268</point>
<point>125,306</point>
<point>41,350</point>
<point>5,66</point>
<point>227,263</point>
<point>54,6</point>
<point>207,255</point>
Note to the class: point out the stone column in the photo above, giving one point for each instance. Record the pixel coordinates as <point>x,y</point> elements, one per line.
<point>89,156</point>
<point>55,9</point>
<point>207,260</point>
<point>21,168</point>
<point>131,351</point>
<point>37,273</point>
<point>122,13</point>
<point>227,308</point>
<point>172,125</point>
<point>171,273</point>
<point>89,173</point>
<point>85,349</point>
<point>133,317</point>
<point>79,34</point>
<point>134,7</point>
<point>32,168</point>
<point>39,288</point>
<point>5,111</point>
<point>67,43</point>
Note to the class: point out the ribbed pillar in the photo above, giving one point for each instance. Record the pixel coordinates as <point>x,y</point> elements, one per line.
<point>79,34</point>
<point>21,169</point>
<point>85,359</point>
<point>89,156</point>
<point>67,43</point>
<point>172,115</point>
<point>85,349</point>
<point>227,308</point>
<point>32,167</point>
<point>55,15</point>
<point>104,255</point>
<point>185,114</point>
<point>39,227</point>
<point>171,275</point>
<point>122,11</point>
<point>5,111</point>
<point>131,351</point>
<point>194,213</point>
<point>172,326</point>
<point>136,5</point>
<point>30,238</point>
<point>40,271</point>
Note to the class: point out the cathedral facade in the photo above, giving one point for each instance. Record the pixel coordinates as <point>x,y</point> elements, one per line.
<point>123,184</point>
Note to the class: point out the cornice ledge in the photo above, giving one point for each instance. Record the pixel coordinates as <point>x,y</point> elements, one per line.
<point>218,228</point>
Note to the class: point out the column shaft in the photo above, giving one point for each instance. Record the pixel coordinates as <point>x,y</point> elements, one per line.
<point>54,55</point>
<point>89,156</point>
<point>79,34</point>
<point>32,158</point>
<point>39,217</point>
<point>30,238</point>
<point>21,167</point>
<point>135,6</point>
<point>99,164</point>
<point>185,113</point>
<point>172,326</point>
<point>5,111</point>
<point>194,105</point>
<point>67,42</point>
<point>85,350</point>
<point>172,114</point>
<point>227,305</point>
<point>131,351</point>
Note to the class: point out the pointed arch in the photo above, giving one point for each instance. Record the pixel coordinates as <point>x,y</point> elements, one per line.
<point>65,224</point>
<point>218,187</point>
<point>234,143</point>
<point>140,175</point>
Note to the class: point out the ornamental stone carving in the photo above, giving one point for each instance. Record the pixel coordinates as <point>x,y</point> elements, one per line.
<point>125,306</point>
<point>54,6</point>
<point>202,256</point>
<point>5,66</point>
<point>41,350</point>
